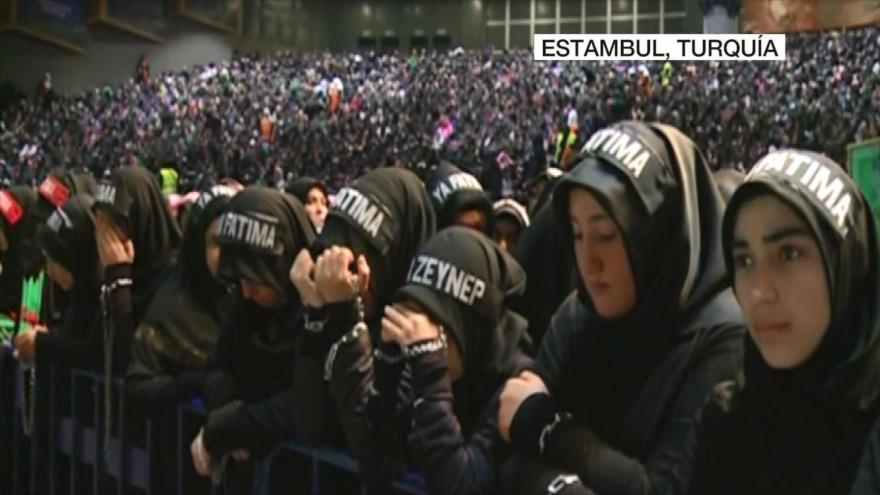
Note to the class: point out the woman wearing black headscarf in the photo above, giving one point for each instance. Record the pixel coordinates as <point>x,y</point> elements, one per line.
<point>53,193</point>
<point>459,199</point>
<point>137,239</point>
<point>511,220</point>
<point>543,253</point>
<point>179,330</point>
<point>632,354</point>
<point>801,248</point>
<point>434,406</point>
<point>248,387</point>
<point>68,243</point>
<point>374,228</point>
<point>313,195</point>
<point>59,185</point>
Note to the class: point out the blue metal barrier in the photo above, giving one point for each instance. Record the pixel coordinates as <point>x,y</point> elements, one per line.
<point>81,441</point>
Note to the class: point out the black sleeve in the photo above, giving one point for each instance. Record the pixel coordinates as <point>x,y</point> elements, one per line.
<point>315,416</point>
<point>702,458</point>
<point>528,476</point>
<point>220,387</point>
<point>254,427</point>
<point>575,448</point>
<point>60,349</point>
<point>119,305</point>
<point>350,384</point>
<point>151,384</point>
<point>315,413</point>
<point>449,462</point>
<point>555,356</point>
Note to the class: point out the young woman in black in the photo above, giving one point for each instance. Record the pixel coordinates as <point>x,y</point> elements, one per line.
<point>801,248</point>
<point>449,342</point>
<point>632,354</point>
<point>247,390</point>
<point>179,330</point>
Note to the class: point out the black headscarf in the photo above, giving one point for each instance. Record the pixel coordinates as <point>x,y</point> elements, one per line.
<point>261,232</point>
<point>453,191</point>
<point>18,225</point>
<point>728,180</point>
<point>301,187</point>
<point>812,420</point>
<point>385,215</point>
<point>514,210</point>
<point>654,182</point>
<point>466,282</point>
<point>195,276</point>
<point>53,193</point>
<point>134,199</point>
<point>551,177</point>
<point>60,185</point>
<point>68,237</point>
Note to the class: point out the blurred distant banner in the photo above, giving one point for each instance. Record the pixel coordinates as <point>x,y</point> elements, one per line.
<point>65,11</point>
<point>864,166</point>
<point>774,16</point>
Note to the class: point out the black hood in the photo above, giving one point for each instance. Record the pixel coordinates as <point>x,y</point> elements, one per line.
<point>551,176</point>
<point>385,215</point>
<point>191,266</point>
<point>190,304</point>
<point>512,209</point>
<point>453,191</point>
<point>831,204</point>
<point>300,188</point>
<point>834,393</point>
<point>654,181</point>
<point>261,232</point>
<point>467,283</point>
<point>728,180</point>
<point>68,237</point>
<point>54,191</point>
<point>132,196</point>
<point>60,185</point>
<point>18,225</point>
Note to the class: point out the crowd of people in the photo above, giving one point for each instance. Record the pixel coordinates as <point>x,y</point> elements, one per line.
<point>265,119</point>
<point>565,297</point>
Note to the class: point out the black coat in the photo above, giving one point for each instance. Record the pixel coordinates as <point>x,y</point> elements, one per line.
<point>812,427</point>
<point>630,412</point>
<point>248,390</point>
<point>622,390</point>
<point>868,475</point>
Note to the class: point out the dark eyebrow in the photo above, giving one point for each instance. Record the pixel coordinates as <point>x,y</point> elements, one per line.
<point>784,232</point>
<point>772,237</point>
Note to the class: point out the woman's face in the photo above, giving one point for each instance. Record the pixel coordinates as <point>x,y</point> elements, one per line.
<point>316,207</point>
<point>507,232</point>
<point>779,280</point>
<point>212,247</point>
<point>59,274</point>
<point>602,260</point>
